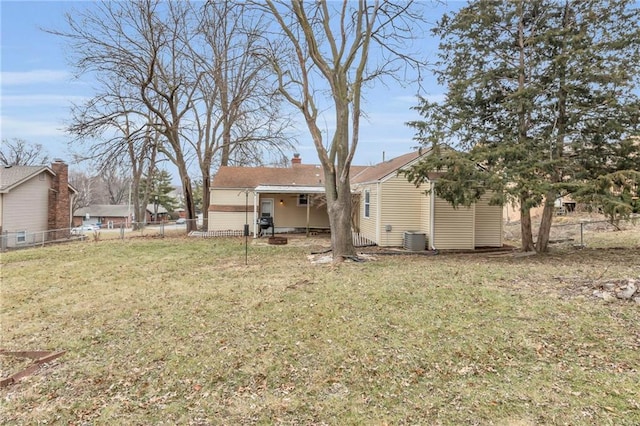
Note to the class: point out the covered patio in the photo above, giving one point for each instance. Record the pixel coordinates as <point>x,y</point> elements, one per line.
<point>291,208</point>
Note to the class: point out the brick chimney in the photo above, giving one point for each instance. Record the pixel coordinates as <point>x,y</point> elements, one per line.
<point>59,198</point>
<point>296,159</point>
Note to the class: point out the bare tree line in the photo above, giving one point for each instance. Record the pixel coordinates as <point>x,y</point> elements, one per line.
<point>19,152</point>
<point>176,81</point>
<point>110,186</point>
<point>203,85</point>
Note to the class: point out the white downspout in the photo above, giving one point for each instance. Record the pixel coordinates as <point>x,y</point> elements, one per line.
<point>432,218</point>
<point>255,214</point>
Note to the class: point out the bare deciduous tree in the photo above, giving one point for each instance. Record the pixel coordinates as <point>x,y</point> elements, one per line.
<point>85,185</point>
<point>19,152</point>
<point>115,134</point>
<point>238,119</point>
<point>115,179</point>
<point>337,47</point>
<point>188,67</point>
<point>139,45</point>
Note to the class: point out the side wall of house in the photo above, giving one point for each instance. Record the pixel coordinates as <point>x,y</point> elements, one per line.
<point>289,214</point>
<point>488,224</point>
<point>369,225</point>
<point>228,210</point>
<point>453,228</point>
<point>26,206</point>
<point>401,210</point>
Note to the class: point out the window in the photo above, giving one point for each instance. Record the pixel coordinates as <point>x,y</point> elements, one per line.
<point>303,199</point>
<point>367,203</point>
<point>21,237</point>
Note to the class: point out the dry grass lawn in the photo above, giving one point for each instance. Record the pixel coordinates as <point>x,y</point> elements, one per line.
<point>181,331</point>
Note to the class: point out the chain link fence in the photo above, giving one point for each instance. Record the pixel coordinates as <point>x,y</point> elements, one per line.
<point>11,240</point>
<point>576,231</point>
<point>22,239</point>
<point>585,232</point>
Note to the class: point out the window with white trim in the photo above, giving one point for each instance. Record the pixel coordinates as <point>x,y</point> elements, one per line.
<point>367,203</point>
<point>303,199</point>
<point>21,237</point>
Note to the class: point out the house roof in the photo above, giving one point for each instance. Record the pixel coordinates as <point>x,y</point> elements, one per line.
<point>12,176</point>
<point>301,177</point>
<point>152,209</point>
<point>381,170</point>
<point>104,210</point>
<point>113,210</point>
<point>251,177</point>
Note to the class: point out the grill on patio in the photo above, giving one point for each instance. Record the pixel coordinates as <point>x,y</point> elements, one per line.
<point>266,222</point>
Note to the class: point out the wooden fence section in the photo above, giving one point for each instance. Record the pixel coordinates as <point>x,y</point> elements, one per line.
<point>360,241</point>
<point>214,234</point>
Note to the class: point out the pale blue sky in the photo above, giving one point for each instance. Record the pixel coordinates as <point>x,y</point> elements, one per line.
<point>37,87</point>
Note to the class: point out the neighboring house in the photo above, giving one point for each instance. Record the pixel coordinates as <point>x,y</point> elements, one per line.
<point>114,215</point>
<point>564,204</point>
<point>107,215</point>
<point>156,213</point>
<point>389,207</point>
<point>35,203</point>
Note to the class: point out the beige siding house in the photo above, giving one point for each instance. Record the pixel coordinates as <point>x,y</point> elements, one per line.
<point>488,224</point>
<point>35,203</point>
<point>397,207</point>
<point>292,197</point>
<point>389,206</point>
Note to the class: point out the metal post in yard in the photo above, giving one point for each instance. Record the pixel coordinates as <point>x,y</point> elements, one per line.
<point>581,234</point>
<point>155,208</point>
<point>245,230</point>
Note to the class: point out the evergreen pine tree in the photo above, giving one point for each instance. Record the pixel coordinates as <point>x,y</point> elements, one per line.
<point>541,96</point>
<point>159,184</point>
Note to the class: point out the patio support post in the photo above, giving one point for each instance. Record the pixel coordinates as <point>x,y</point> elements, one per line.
<point>255,214</point>
<point>308,209</point>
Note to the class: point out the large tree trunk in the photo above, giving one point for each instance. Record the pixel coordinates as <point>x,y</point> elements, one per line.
<point>136,223</point>
<point>187,188</point>
<point>339,211</point>
<point>525,227</point>
<point>189,203</point>
<point>206,199</point>
<point>525,210</point>
<point>542,244</point>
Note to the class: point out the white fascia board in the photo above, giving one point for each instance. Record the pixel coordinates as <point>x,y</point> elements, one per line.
<point>284,189</point>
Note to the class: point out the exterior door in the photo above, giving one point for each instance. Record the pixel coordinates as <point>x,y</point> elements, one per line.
<point>266,207</point>
<point>266,210</point>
